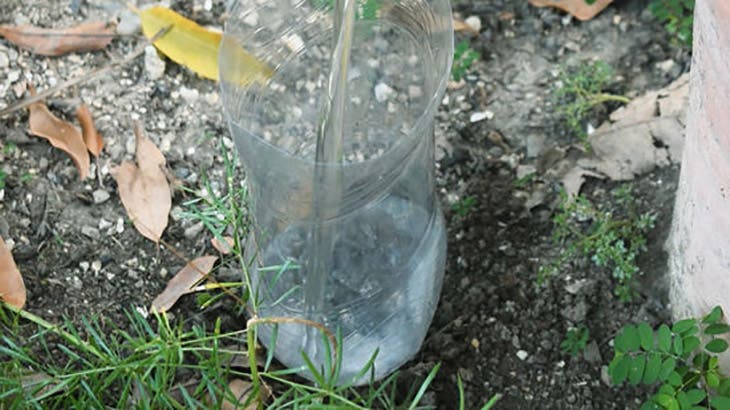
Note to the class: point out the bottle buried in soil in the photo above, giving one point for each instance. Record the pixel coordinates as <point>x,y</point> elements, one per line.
<point>338,152</point>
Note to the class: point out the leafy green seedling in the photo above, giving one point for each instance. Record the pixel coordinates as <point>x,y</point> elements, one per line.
<point>677,16</point>
<point>575,340</point>
<point>582,90</point>
<point>682,361</point>
<point>611,241</point>
<point>464,206</point>
<point>464,57</point>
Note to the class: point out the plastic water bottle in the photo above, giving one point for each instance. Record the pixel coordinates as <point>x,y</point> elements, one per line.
<point>337,144</point>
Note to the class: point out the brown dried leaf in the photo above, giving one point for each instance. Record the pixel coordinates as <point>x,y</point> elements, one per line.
<point>92,138</point>
<point>580,9</point>
<point>639,137</point>
<point>224,247</point>
<point>241,391</point>
<point>55,42</point>
<point>60,134</point>
<point>183,281</point>
<point>143,188</point>
<point>12,288</point>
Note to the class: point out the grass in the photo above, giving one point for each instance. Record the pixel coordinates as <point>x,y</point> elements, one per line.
<point>153,363</point>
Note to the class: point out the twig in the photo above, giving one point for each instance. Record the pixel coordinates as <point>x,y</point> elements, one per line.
<point>85,77</point>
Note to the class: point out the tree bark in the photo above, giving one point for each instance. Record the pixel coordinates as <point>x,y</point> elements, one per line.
<point>699,245</point>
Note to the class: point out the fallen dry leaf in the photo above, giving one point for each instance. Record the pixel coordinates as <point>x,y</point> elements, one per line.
<point>242,391</point>
<point>55,42</point>
<point>60,134</point>
<point>225,247</point>
<point>189,276</point>
<point>92,138</point>
<point>640,136</point>
<point>12,288</point>
<point>580,9</point>
<point>143,188</point>
<point>196,47</point>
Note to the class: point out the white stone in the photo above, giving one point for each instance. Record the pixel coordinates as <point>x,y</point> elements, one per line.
<point>474,22</point>
<point>104,224</point>
<point>14,76</point>
<point>100,196</point>
<point>208,5</point>
<point>96,266</point>
<point>382,92</point>
<point>189,94</point>
<point>477,116</point>
<point>4,60</point>
<point>522,355</point>
<point>153,64</point>
<point>666,65</point>
<point>129,23</point>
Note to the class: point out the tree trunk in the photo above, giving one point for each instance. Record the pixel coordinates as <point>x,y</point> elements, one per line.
<point>699,246</point>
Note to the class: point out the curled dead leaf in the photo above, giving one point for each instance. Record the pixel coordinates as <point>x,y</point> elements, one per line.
<point>60,134</point>
<point>189,276</point>
<point>55,42</point>
<point>143,188</point>
<point>579,9</point>
<point>12,288</point>
<point>225,246</point>
<point>92,138</point>
<point>242,391</point>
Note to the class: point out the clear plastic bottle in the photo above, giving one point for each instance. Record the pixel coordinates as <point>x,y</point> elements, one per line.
<point>356,241</point>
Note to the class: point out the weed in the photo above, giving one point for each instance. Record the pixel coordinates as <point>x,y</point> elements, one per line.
<point>9,148</point>
<point>575,340</point>
<point>676,16</point>
<point>26,177</point>
<point>582,90</point>
<point>464,57</point>
<point>2,178</point>
<point>682,360</point>
<point>612,242</point>
<point>464,206</point>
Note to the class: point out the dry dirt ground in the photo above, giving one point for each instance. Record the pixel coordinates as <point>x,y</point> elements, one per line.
<point>494,327</point>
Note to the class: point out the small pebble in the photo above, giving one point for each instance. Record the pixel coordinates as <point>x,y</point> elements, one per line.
<point>194,230</point>
<point>96,266</point>
<point>474,22</point>
<point>91,232</point>
<point>100,196</point>
<point>104,224</point>
<point>414,91</point>
<point>480,116</point>
<point>153,64</point>
<point>189,94</point>
<point>382,92</point>
<point>129,23</point>
<point>522,355</point>
<point>4,60</point>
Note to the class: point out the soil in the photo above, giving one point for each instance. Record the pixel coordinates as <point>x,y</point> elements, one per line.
<point>494,326</point>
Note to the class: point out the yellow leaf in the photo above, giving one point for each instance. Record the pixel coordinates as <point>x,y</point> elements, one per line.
<point>196,47</point>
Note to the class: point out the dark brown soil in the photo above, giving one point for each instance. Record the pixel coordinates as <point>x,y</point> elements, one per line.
<point>494,327</point>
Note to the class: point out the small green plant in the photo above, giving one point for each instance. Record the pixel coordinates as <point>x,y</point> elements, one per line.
<point>26,177</point>
<point>611,241</point>
<point>464,57</point>
<point>575,340</point>
<point>681,360</point>
<point>582,90</point>
<point>9,148</point>
<point>2,178</point>
<point>464,206</point>
<point>676,15</point>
